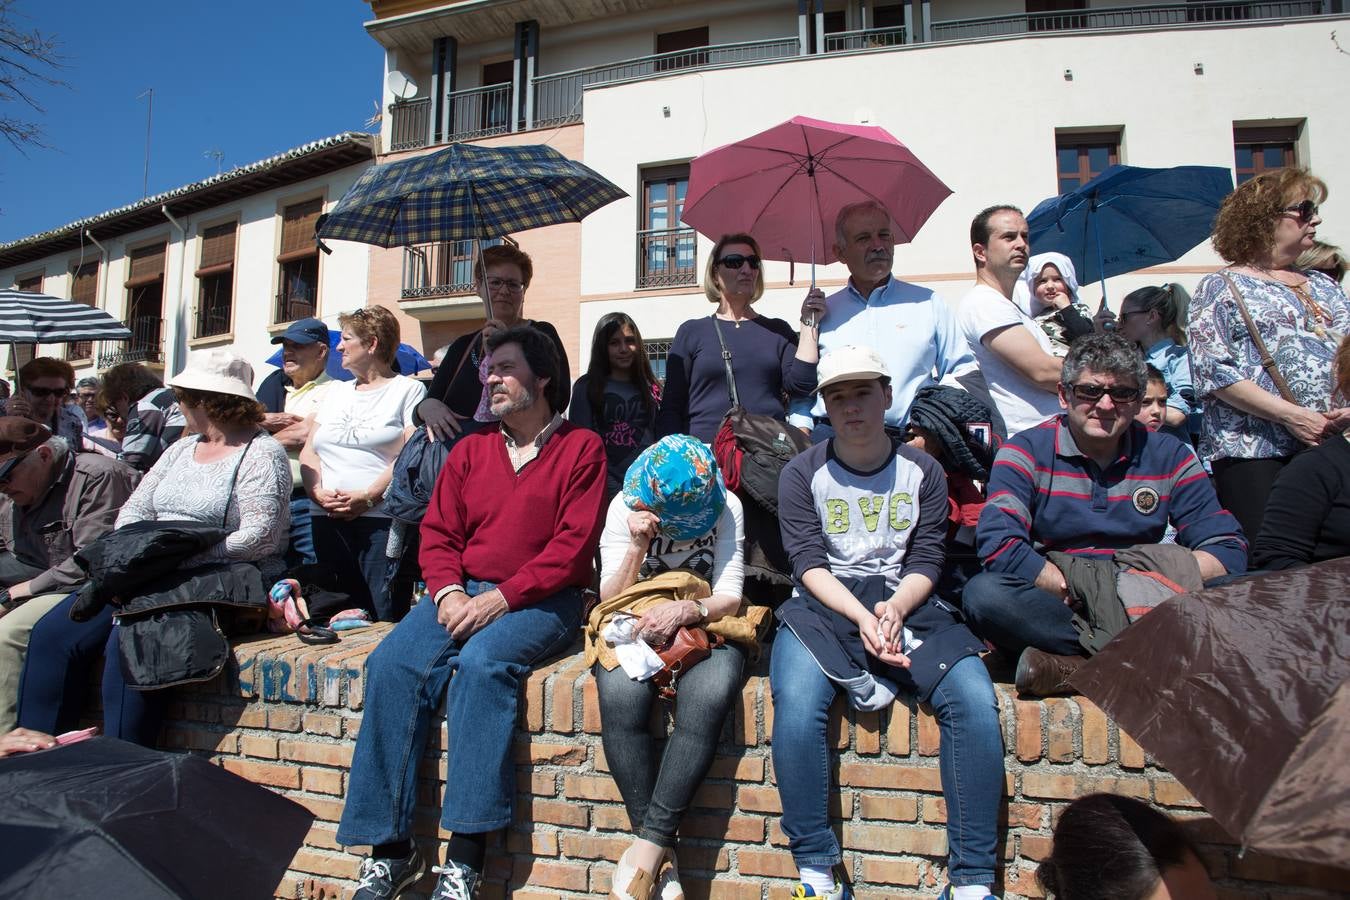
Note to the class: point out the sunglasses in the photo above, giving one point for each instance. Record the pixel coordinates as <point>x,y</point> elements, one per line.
<point>736,260</point>
<point>7,469</point>
<point>1093,393</point>
<point>1303,211</point>
<point>40,392</point>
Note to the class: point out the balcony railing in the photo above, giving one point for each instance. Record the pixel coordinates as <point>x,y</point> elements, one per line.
<point>865,39</point>
<point>666,257</point>
<point>557,98</point>
<point>410,124</point>
<point>438,270</point>
<point>146,344</point>
<point>1122,17</point>
<point>479,112</point>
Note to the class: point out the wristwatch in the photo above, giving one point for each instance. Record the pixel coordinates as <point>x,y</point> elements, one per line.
<point>702,610</point>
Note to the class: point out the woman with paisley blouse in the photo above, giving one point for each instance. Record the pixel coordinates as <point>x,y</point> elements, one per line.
<point>1249,431</point>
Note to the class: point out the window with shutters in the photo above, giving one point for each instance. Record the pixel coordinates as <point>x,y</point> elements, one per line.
<point>83,289</point>
<point>298,262</point>
<point>145,305</point>
<point>215,280</point>
<point>1082,156</point>
<point>31,284</point>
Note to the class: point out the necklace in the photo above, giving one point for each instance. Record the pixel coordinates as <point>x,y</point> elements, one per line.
<point>1315,318</point>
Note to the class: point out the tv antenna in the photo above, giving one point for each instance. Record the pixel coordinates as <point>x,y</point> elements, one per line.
<point>218,156</point>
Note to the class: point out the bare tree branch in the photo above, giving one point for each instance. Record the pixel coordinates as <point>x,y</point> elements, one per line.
<point>27,58</point>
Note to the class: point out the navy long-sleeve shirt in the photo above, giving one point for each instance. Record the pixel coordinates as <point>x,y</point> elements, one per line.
<point>1045,494</point>
<point>763,358</point>
<point>1307,517</point>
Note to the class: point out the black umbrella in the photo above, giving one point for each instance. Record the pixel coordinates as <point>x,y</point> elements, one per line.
<point>108,818</point>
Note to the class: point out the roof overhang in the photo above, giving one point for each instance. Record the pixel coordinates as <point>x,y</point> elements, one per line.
<point>476,21</point>
<point>301,164</point>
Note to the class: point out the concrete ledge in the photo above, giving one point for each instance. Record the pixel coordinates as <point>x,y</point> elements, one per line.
<point>287,716</point>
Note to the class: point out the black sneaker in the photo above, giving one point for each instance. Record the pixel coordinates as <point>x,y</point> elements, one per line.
<point>456,882</point>
<point>385,879</point>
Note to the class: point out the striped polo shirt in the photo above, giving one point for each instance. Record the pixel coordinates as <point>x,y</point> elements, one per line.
<point>1045,494</point>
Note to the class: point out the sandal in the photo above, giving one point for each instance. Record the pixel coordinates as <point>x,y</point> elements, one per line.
<point>631,883</point>
<point>287,613</point>
<point>668,880</point>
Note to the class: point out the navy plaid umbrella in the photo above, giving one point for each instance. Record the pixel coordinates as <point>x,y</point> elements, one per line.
<point>466,192</point>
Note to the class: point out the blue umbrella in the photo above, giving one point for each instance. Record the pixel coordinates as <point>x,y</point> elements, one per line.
<point>409,361</point>
<point>1129,218</point>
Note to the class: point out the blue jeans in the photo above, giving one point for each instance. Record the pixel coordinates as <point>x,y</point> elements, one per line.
<point>55,684</point>
<point>300,550</point>
<point>407,678</point>
<point>970,760</point>
<point>1015,614</point>
<point>354,550</point>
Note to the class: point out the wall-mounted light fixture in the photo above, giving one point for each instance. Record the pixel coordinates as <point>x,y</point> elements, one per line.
<point>665,111</point>
<point>1199,68</point>
<point>1068,74</point>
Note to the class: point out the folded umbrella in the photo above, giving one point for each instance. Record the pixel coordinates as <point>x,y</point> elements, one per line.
<point>1240,692</point>
<point>1129,218</point>
<point>108,818</point>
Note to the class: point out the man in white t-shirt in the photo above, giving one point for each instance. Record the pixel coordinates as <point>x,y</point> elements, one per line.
<point>1014,354</point>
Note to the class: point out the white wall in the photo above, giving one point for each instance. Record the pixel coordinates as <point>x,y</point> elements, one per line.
<point>983,116</point>
<point>342,275</point>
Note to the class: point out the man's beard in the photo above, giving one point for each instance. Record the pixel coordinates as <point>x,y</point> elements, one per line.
<point>512,406</point>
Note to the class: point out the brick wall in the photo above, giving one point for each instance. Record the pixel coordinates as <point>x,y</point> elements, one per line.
<point>288,717</point>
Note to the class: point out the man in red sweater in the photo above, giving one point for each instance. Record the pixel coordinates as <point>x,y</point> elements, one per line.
<point>507,545</point>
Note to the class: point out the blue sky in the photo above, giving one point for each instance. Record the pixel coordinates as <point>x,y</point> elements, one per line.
<point>250,78</point>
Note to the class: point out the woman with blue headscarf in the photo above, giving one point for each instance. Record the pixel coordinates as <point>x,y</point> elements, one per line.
<point>670,557</point>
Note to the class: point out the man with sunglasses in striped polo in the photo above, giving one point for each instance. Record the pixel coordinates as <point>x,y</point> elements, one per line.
<point>1088,483</point>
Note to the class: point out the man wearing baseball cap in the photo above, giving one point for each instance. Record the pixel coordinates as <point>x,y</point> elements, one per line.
<point>55,501</point>
<point>291,396</point>
<point>864,519</point>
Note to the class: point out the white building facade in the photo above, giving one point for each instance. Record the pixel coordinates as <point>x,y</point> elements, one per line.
<point>224,262</point>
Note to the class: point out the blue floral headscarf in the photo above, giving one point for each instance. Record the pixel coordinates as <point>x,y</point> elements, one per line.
<point>677,479</point>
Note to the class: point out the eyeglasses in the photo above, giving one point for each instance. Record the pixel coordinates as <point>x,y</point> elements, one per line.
<point>40,392</point>
<point>1093,393</point>
<point>506,284</point>
<point>1303,211</point>
<point>736,260</point>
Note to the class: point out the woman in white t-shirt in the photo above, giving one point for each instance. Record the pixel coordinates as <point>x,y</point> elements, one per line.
<point>348,461</point>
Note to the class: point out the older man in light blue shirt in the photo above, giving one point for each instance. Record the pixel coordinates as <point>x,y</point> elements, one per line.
<point>912,328</point>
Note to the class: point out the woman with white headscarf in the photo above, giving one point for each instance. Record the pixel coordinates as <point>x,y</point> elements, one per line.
<point>1048,292</point>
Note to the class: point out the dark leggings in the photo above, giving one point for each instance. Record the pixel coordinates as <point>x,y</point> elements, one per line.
<point>1243,486</point>
<point>55,685</point>
<point>657,789</point>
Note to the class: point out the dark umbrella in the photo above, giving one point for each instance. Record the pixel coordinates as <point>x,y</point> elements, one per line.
<point>466,192</point>
<point>1240,692</point>
<point>110,818</point>
<point>410,362</point>
<point>27,318</point>
<point>1129,218</point>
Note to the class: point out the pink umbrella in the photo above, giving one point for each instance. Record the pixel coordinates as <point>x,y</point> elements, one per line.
<point>786,185</point>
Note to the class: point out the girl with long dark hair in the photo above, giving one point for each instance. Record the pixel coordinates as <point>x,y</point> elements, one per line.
<point>1153,317</point>
<point>618,396</point>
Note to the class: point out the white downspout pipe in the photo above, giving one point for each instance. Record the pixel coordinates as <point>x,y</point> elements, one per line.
<point>102,286</point>
<point>171,363</point>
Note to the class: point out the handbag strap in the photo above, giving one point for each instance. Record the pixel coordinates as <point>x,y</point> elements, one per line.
<point>1267,361</point>
<point>234,479</point>
<point>726,361</point>
<point>468,351</point>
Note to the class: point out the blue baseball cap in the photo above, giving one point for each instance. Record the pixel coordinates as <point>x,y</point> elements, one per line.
<point>304,331</point>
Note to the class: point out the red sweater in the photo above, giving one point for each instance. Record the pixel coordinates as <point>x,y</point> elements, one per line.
<point>532,533</point>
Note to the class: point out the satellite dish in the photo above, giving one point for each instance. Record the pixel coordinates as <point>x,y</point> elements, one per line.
<point>400,85</point>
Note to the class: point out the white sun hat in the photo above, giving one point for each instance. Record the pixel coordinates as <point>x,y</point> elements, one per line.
<point>849,363</point>
<point>217,371</point>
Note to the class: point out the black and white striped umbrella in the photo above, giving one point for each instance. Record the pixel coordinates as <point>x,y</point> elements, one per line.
<point>42,319</point>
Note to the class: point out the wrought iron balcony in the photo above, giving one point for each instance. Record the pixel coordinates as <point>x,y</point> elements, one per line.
<point>1123,17</point>
<point>146,344</point>
<point>666,257</point>
<point>410,124</point>
<point>438,270</point>
<point>864,39</point>
<point>557,98</point>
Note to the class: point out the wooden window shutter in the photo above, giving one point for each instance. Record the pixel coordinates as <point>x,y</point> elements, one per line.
<point>217,249</point>
<point>147,265</point>
<point>297,229</point>
<point>84,284</point>
<point>30,284</point>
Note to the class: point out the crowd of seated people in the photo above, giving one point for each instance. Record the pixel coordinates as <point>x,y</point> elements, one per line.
<point>969,471</point>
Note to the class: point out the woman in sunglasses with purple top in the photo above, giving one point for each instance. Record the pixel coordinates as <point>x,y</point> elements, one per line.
<point>768,359</point>
<point>1255,417</point>
<point>44,383</point>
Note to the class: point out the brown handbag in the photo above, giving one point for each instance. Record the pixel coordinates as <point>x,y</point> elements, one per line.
<point>687,647</point>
